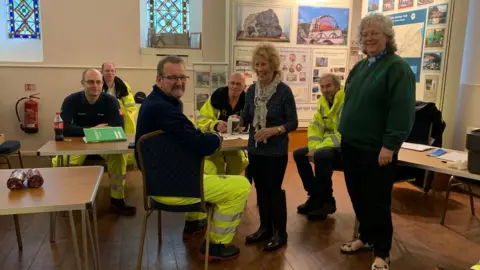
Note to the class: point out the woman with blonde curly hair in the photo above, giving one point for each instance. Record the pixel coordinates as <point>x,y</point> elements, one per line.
<point>377,117</point>
<point>271,113</point>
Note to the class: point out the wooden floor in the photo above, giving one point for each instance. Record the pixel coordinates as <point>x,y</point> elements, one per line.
<point>420,242</point>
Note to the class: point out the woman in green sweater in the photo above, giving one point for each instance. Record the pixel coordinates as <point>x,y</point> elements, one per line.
<point>377,117</point>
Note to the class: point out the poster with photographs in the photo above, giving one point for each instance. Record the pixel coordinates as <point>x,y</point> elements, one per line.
<point>434,38</point>
<point>327,61</point>
<point>305,112</point>
<point>405,4</point>
<point>219,79</point>
<point>431,86</point>
<point>202,79</point>
<point>388,5</point>
<point>437,14</point>
<point>243,63</point>
<point>432,61</point>
<point>295,65</point>
<point>200,99</point>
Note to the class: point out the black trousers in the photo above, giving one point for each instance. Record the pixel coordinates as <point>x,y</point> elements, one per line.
<point>370,188</point>
<point>318,186</point>
<point>267,173</point>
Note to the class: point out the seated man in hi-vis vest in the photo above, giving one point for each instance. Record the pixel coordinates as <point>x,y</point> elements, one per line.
<point>323,150</point>
<point>213,117</point>
<point>91,108</point>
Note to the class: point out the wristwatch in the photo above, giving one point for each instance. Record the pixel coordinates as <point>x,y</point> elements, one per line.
<point>279,130</point>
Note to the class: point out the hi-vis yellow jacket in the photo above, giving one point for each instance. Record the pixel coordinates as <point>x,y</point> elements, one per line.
<point>129,110</point>
<point>218,108</point>
<point>323,129</point>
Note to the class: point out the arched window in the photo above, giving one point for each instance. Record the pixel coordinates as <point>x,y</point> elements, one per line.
<point>23,19</point>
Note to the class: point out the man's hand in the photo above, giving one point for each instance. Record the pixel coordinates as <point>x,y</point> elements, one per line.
<point>221,126</point>
<point>385,157</point>
<point>310,155</point>
<point>101,125</point>
<point>264,133</point>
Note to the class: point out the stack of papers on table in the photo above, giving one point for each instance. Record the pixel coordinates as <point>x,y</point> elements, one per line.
<point>228,137</point>
<point>416,147</point>
<point>454,156</point>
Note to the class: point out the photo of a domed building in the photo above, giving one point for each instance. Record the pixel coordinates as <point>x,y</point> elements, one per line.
<point>322,26</point>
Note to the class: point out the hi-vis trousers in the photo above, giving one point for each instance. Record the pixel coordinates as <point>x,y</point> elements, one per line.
<point>116,168</point>
<point>228,194</point>
<point>236,162</point>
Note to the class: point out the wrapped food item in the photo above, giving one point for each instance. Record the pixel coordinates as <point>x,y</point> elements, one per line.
<point>34,178</point>
<point>16,180</point>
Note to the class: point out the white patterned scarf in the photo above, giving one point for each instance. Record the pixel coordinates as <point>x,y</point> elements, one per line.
<point>262,96</point>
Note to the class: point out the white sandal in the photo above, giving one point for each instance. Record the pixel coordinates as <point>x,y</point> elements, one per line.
<point>384,265</point>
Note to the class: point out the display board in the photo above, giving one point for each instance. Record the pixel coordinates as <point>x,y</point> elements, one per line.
<point>421,33</point>
<point>312,39</point>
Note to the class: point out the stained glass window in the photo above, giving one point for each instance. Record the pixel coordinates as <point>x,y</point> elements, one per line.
<point>24,19</point>
<point>169,16</point>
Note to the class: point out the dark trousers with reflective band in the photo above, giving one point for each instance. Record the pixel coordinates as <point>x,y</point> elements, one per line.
<point>267,173</point>
<point>370,188</point>
<point>318,186</point>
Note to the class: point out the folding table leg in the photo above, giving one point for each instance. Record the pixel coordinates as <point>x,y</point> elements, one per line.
<point>18,232</point>
<point>75,242</point>
<point>84,239</point>
<point>95,232</point>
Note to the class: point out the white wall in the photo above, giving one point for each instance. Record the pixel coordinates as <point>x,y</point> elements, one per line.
<point>17,49</point>
<point>97,31</point>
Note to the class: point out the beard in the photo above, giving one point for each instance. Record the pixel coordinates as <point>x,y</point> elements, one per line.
<point>178,92</point>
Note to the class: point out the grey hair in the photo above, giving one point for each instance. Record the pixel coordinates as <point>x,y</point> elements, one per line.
<point>335,78</point>
<point>386,25</point>
<point>172,59</point>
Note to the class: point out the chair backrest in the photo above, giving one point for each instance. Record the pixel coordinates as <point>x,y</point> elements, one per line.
<point>168,168</point>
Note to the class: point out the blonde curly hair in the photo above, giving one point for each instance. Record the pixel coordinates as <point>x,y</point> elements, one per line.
<point>270,53</point>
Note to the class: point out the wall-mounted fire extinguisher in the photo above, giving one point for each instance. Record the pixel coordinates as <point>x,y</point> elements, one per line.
<point>30,124</point>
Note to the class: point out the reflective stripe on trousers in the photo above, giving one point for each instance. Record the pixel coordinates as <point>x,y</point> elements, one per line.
<point>228,194</point>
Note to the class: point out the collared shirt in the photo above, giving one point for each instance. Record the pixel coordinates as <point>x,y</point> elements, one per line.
<point>111,91</point>
<point>374,59</point>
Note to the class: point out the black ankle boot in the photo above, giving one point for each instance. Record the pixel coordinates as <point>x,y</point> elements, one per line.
<point>278,207</point>
<point>266,229</point>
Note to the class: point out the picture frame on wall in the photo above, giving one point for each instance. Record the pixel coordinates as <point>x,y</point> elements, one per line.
<point>437,14</point>
<point>263,23</point>
<point>431,88</point>
<point>388,5</point>
<point>405,4</point>
<point>373,5</point>
<point>432,61</point>
<point>322,26</point>
<point>434,38</point>
<point>424,2</point>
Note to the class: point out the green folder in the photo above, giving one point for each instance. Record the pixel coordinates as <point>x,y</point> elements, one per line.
<point>106,134</point>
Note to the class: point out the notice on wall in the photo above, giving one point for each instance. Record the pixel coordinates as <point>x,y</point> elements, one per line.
<point>431,86</point>
<point>295,66</point>
<point>409,33</point>
<point>243,63</point>
<point>327,61</point>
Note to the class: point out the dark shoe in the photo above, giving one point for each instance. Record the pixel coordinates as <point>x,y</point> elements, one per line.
<point>322,212</point>
<point>119,207</point>
<point>266,223</point>
<point>194,228</point>
<point>311,204</point>
<point>277,241</point>
<point>278,206</point>
<point>262,234</point>
<point>220,252</point>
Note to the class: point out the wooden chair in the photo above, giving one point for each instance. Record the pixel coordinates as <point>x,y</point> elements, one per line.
<point>6,149</point>
<point>169,170</point>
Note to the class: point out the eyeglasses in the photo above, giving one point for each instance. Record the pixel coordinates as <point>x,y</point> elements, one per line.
<point>92,82</point>
<point>176,78</point>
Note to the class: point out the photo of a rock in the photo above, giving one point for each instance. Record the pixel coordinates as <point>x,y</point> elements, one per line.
<point>263,24</point>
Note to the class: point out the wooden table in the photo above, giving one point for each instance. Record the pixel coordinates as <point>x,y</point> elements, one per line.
<point>64,189</point>
<point>421,160</point>
<point>76,146</point>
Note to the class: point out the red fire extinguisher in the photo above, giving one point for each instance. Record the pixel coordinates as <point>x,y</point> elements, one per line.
<point>30,124</point>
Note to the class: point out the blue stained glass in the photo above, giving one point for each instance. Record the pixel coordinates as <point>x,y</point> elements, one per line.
<point>169,16</point>
<point>24,19</point>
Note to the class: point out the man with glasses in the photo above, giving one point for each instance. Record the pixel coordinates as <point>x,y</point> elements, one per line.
<point>225,102</point>
<point>228,194</point>
<point>91,108</point>
<point>323,150</point>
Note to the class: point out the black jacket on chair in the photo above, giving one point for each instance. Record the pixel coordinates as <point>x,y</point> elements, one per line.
<point>428,129</point>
